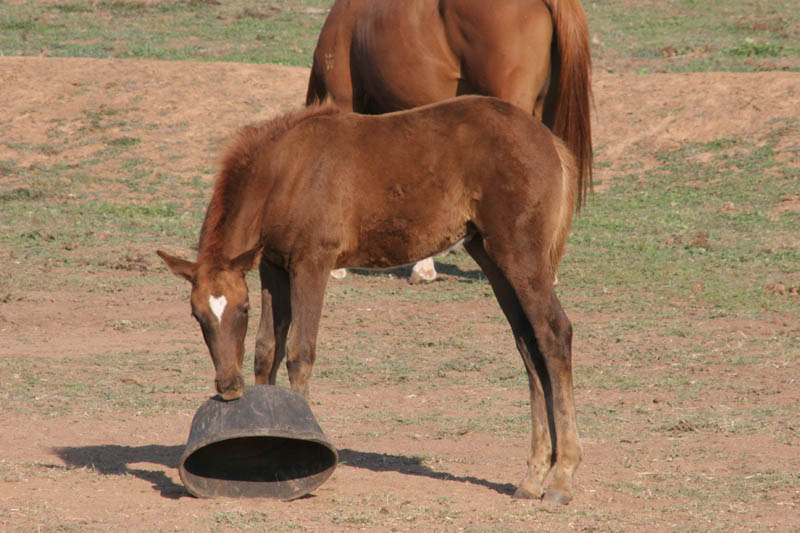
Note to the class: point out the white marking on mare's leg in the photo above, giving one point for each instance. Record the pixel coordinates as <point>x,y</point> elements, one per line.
<point>423,271</point>
<point>217,305</point>
<point>339,273</point>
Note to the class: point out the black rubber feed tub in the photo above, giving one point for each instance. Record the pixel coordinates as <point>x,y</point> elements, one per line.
<point>266,444</point>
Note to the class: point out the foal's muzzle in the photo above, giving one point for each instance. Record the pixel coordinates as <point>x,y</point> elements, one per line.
<point>230,388</point>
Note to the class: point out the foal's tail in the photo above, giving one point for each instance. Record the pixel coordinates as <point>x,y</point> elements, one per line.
<point>570,186</point>
<point>567,106</point>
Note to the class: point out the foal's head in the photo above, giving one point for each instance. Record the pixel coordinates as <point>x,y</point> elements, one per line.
<point>220,304</point>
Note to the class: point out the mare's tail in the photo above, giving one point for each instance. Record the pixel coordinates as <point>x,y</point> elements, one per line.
<point>567,106</point>
<point>317,92</point>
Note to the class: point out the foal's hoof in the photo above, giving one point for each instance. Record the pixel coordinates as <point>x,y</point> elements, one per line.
<point>556,496</point>
<point>524,494</point>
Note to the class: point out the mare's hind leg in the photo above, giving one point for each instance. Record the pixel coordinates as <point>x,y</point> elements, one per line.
<point>307,292</point>
<point>540,460</point>
<point>276,315</point>
<point>512,61</point>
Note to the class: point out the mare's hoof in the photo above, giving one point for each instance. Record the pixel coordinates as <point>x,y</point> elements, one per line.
<point>524,494</point>
<point>414,279</point>
<point>422,272</point>
<point>339,273</point>
<point>556,496</point>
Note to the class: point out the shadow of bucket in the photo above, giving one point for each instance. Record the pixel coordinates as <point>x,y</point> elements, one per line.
<point>266,444</point>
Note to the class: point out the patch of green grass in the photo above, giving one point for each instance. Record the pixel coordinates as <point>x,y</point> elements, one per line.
<point>134,222</point>
<point>21,471</point>
<point>135,381</point>
<point>694,233</point>
<point>241,30</point>
<point>250,521</point>
<point>20,194</point>
<point>123,141</point>
<point>602,377</point>
<point>446,424</point>
<point>696,424</point>
<point>694,35</point>
<point>52,220</point>
<point>752,48</point>
<point>719,491</point>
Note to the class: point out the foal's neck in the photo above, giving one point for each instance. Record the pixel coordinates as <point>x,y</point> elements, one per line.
<point>230,231</point>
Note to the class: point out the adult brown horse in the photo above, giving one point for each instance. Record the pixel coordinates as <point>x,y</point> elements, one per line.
<point>376,56</point>
<point>319,189</point>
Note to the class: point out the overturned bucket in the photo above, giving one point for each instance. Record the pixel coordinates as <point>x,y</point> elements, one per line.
<point>266,444</point>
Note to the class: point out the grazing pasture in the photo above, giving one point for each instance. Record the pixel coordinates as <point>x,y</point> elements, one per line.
<point>681,278</point>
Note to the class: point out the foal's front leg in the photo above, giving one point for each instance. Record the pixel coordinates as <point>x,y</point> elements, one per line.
<point>307,292</point>
<point>276,315</point>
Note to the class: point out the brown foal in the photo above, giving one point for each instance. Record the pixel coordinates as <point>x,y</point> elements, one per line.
<point>319,189</point>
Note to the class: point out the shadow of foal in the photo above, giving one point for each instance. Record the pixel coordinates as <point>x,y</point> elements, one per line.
<point>412,466</point>
<point>112,459</point>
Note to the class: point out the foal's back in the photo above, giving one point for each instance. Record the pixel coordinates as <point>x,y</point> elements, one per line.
<point>466,140</point>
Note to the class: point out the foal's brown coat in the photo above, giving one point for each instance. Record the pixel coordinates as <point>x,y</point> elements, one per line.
<point>319,189</point>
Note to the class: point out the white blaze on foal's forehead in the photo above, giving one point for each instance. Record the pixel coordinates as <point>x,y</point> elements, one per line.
<point>217,304</point>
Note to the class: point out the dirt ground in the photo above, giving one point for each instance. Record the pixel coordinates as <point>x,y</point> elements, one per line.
<point>81,471</point>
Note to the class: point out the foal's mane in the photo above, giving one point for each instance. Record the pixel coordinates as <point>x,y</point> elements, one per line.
<point>236,168</point>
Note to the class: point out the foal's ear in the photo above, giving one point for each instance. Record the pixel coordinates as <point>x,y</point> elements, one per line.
<point>246,261</point>
<point>179,267</point>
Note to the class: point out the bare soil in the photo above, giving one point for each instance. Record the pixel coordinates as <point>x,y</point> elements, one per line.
<point>119,471</point>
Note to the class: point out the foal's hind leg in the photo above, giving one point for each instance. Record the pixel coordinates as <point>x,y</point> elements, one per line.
<point>552,338</point>
<point>553,332</point>
<point>540,460</point>
<point>276,315</point>
<point>528,274</point>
